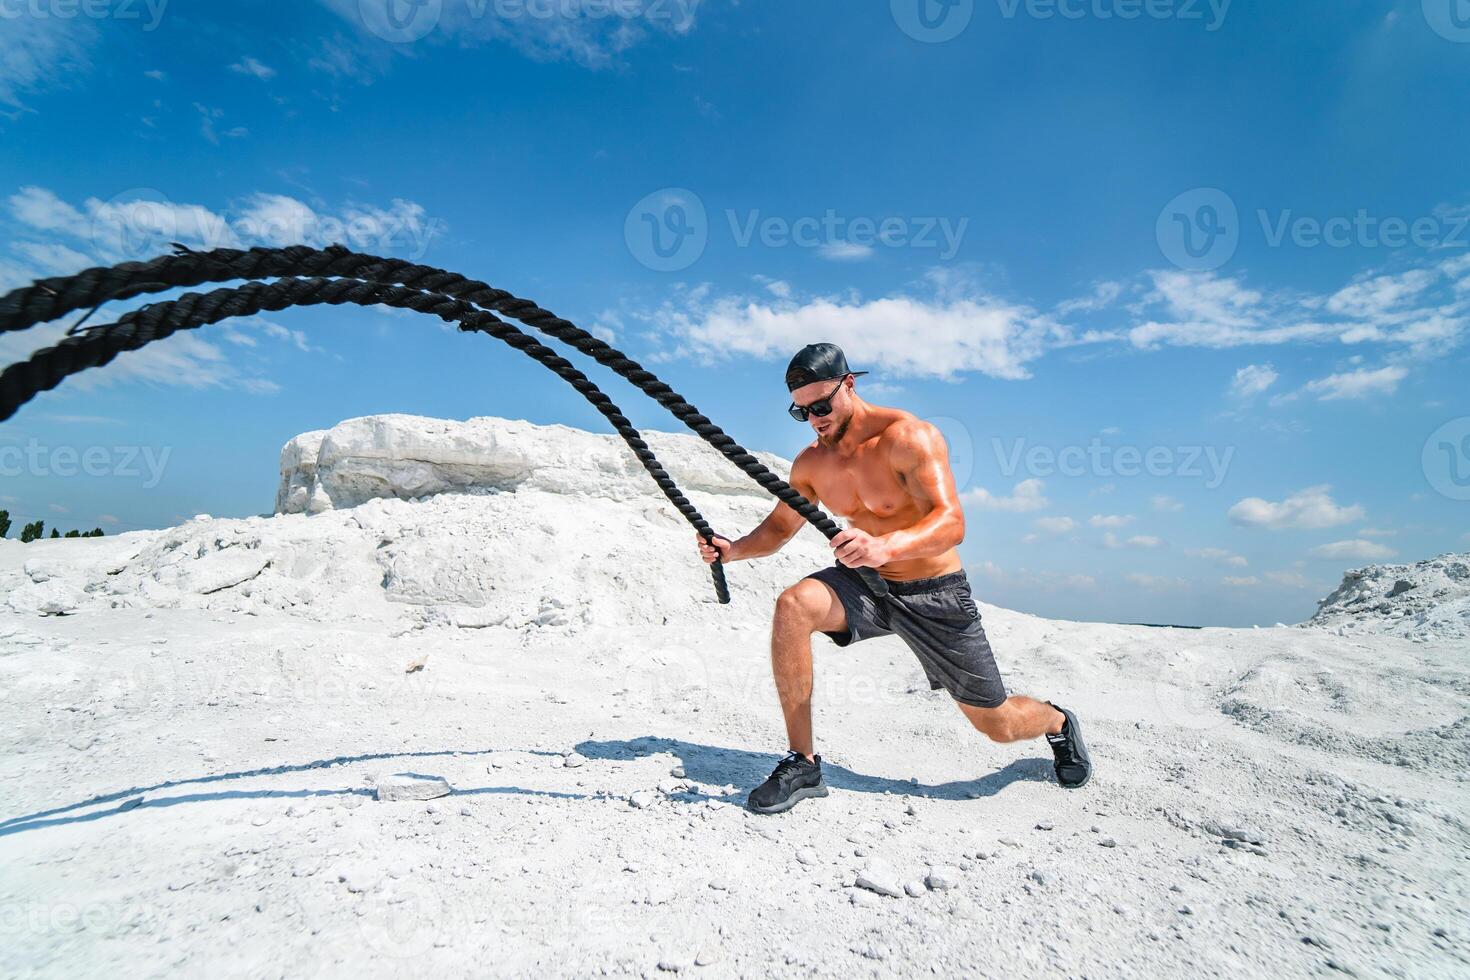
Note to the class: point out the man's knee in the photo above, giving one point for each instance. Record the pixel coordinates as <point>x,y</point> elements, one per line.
<point>797,606</point>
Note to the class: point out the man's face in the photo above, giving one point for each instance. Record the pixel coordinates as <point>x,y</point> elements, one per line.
<point>829,428</point>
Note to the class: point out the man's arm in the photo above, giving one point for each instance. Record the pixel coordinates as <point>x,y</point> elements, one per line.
<point>771,535</point>
<point>921,460</point>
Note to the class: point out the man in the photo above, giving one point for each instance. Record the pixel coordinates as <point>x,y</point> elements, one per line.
<point>888,473</point>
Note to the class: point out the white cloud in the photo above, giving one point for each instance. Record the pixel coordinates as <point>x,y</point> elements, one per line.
<point>1026,496</point>
<point>1357,549</point>
<point>1164,503</point>
<point>1056,525</point>
<point>943,336</point>
<point>249,66</point>
<point>39,53</point>
<point>1155,583</point>
<point>1219,555</point>
<point>1309,508</point>
<point>1418,309</point>
<point>1111,540</point>
<point>844,251</point>
<point>1110,520</point>
<point>1377,532</point>
<point>53,259</point>
<point>1103,295</point>
<point>1291,580</point>
<point>591,41</point>
<point>114,230</point>
<point>1247,581</point>
<point>1358,384</point>
<point>1252,380</point>
<point>1380,295</point>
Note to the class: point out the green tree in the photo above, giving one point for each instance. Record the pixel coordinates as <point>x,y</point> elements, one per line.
<point>4,523</point>
<point>55,533</point>
<point>32,531</point>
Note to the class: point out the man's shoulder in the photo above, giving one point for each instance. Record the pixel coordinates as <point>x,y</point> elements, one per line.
<point>907,428</point>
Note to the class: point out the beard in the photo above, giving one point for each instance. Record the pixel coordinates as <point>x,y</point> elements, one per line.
<point>835,436</point>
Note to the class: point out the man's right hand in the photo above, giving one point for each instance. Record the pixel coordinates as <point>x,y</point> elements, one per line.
<point>709,553</point>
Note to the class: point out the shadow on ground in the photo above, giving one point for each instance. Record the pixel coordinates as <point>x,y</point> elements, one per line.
<point>706,764</point>
<point>713,765</point>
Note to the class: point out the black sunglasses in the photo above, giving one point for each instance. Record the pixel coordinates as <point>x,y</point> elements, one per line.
<point>821,408</point>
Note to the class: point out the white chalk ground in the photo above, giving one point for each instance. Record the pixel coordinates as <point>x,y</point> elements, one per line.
<point>195,719</point>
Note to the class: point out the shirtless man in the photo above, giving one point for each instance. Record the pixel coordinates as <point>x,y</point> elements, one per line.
<point>888,473</point>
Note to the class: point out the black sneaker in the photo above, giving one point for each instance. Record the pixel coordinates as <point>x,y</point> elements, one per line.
<point>1073,764</point>
<point>793,780</point>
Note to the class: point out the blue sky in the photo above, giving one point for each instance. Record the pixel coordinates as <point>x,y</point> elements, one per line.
<point>1184,284</point>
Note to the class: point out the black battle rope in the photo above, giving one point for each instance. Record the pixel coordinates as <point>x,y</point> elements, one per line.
<point>51,298</point>
<point>93,348</point>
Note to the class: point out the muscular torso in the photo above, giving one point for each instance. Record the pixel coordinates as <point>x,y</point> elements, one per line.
<point>867,490</point>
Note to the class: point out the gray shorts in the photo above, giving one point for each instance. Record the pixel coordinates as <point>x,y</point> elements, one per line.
<point>936,617</point>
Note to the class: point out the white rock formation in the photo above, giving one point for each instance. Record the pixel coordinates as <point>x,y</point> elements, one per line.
<point>1428,600</point>
<point>407,456</point>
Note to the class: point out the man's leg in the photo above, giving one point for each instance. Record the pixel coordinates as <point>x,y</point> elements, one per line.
<point>1016,719</point>
<point>808,607</point>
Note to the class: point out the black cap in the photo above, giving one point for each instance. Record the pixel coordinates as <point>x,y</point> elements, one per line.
<point>817,362</point>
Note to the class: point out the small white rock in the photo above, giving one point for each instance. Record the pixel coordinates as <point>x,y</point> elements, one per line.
<point>411,786</point>
<point>942,877</point>
<point>880,877</point>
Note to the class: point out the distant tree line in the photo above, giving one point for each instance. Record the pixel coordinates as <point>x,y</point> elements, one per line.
<point>37,529</point>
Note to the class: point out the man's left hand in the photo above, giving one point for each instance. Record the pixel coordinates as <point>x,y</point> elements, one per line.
<point>859,549</point>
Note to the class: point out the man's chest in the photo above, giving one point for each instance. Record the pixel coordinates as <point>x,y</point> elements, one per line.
<point>862,483</point>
